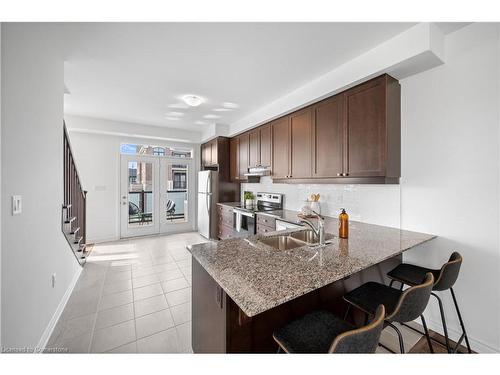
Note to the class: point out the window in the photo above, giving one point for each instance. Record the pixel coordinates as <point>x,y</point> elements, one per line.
<point>159,151</point>
<point>175,152</point>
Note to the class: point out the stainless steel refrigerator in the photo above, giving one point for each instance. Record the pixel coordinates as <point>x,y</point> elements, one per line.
<point>208,196</point>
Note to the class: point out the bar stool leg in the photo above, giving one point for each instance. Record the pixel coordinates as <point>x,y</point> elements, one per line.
<point>461,322</point>
<point>427,334</point>
<point>443,320</point>
<point>400,336</point>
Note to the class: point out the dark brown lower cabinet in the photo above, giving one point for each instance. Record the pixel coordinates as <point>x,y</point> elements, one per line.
<point>208,314</point>
<point>219,326</point>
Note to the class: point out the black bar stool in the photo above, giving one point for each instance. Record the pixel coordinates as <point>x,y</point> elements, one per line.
<point>445,278</point>
<point>401,306</point>
<point>323,332</point>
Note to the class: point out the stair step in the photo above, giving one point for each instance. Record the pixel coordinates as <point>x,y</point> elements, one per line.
<point>75,231</point>
<point>66,206</point>
<point>77,241</point>
<point>70,220</point>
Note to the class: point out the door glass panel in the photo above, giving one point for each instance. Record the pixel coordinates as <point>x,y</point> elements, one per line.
<point>176,202</point>
<point>140,193</point>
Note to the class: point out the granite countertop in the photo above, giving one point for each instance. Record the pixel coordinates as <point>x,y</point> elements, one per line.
<point>258,277</point>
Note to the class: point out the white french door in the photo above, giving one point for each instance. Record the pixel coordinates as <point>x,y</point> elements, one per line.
<point>176,195</point>
<point>157,195</point>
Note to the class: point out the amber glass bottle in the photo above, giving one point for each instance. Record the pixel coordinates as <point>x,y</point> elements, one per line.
<point>343,224</point>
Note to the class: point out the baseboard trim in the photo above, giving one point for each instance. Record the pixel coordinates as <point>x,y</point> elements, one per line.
<point>57,314</point>
<point>476,345</point>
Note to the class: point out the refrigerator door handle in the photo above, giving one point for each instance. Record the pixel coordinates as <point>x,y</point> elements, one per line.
<point>209,184</point>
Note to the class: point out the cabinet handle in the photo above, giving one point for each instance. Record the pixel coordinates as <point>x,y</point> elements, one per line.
<point>218,296</point>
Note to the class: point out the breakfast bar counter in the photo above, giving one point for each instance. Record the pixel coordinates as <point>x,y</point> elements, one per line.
<point>258,287</point>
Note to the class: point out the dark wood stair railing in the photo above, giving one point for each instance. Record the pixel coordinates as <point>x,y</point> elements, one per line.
<point>75,203</point>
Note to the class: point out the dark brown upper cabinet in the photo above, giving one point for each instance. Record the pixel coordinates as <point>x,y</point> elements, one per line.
<point>373,129</point>
<point>254,148</point>
<point>281,148</point>
<point>328,137</point>
<point>243,156</point>
<point>206,154</point>
<point>352,137</point>
<point>209,153</point>
<point>265,145</point>
<point>300,143</point>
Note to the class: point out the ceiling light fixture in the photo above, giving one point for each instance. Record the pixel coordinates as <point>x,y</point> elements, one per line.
<point>172,118</point>
<point>211,116</point>
<point>222,110</point>
<point>192,100</point>
<point>201,123</point>
<point>230,105</point>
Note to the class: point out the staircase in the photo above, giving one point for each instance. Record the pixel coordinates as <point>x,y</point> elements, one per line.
<point>73,213</point>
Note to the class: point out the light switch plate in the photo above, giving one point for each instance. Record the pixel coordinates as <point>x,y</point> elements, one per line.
<point>17,205</point>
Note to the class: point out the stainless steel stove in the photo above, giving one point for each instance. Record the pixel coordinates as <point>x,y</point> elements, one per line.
<point>245,216</point>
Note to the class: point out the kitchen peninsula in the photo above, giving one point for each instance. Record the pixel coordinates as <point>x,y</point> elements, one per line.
<point>244,288</point>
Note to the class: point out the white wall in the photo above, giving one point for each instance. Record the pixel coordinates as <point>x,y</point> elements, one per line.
<point>375,204</point>
<point>450,184</point>
<point>98,161</point>
<point>33,246</point>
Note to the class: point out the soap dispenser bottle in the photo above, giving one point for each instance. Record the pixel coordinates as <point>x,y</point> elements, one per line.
<point>343,224</point>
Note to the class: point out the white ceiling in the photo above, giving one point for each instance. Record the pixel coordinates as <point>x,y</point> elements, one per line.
<point>133,72</point>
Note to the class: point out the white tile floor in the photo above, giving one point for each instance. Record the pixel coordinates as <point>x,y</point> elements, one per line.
<point>134,296</point>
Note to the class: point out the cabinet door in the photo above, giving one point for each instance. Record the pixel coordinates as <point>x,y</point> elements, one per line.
<point>365,153</point>
<point>254,148</point>
<point>206,154</point>
<point>233,159</point>
<point>328,137</point>
<point>265,145</point>
<point>281,149</point>
<point>243,156</point>
<point>208,313</point>
<point>301,143</point>
<point>214,152</point>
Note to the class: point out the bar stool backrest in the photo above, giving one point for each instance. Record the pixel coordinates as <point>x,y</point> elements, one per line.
<point>361,340</point>
<point>413,301</point>
<point>449,272</point>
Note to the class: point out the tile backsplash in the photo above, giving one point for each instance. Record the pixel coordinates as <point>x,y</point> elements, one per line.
<point>375,204</point>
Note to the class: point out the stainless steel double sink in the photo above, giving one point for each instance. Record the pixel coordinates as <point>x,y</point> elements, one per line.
<point>292,240</point>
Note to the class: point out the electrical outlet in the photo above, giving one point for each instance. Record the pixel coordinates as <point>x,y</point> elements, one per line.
<point>53,279</point>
